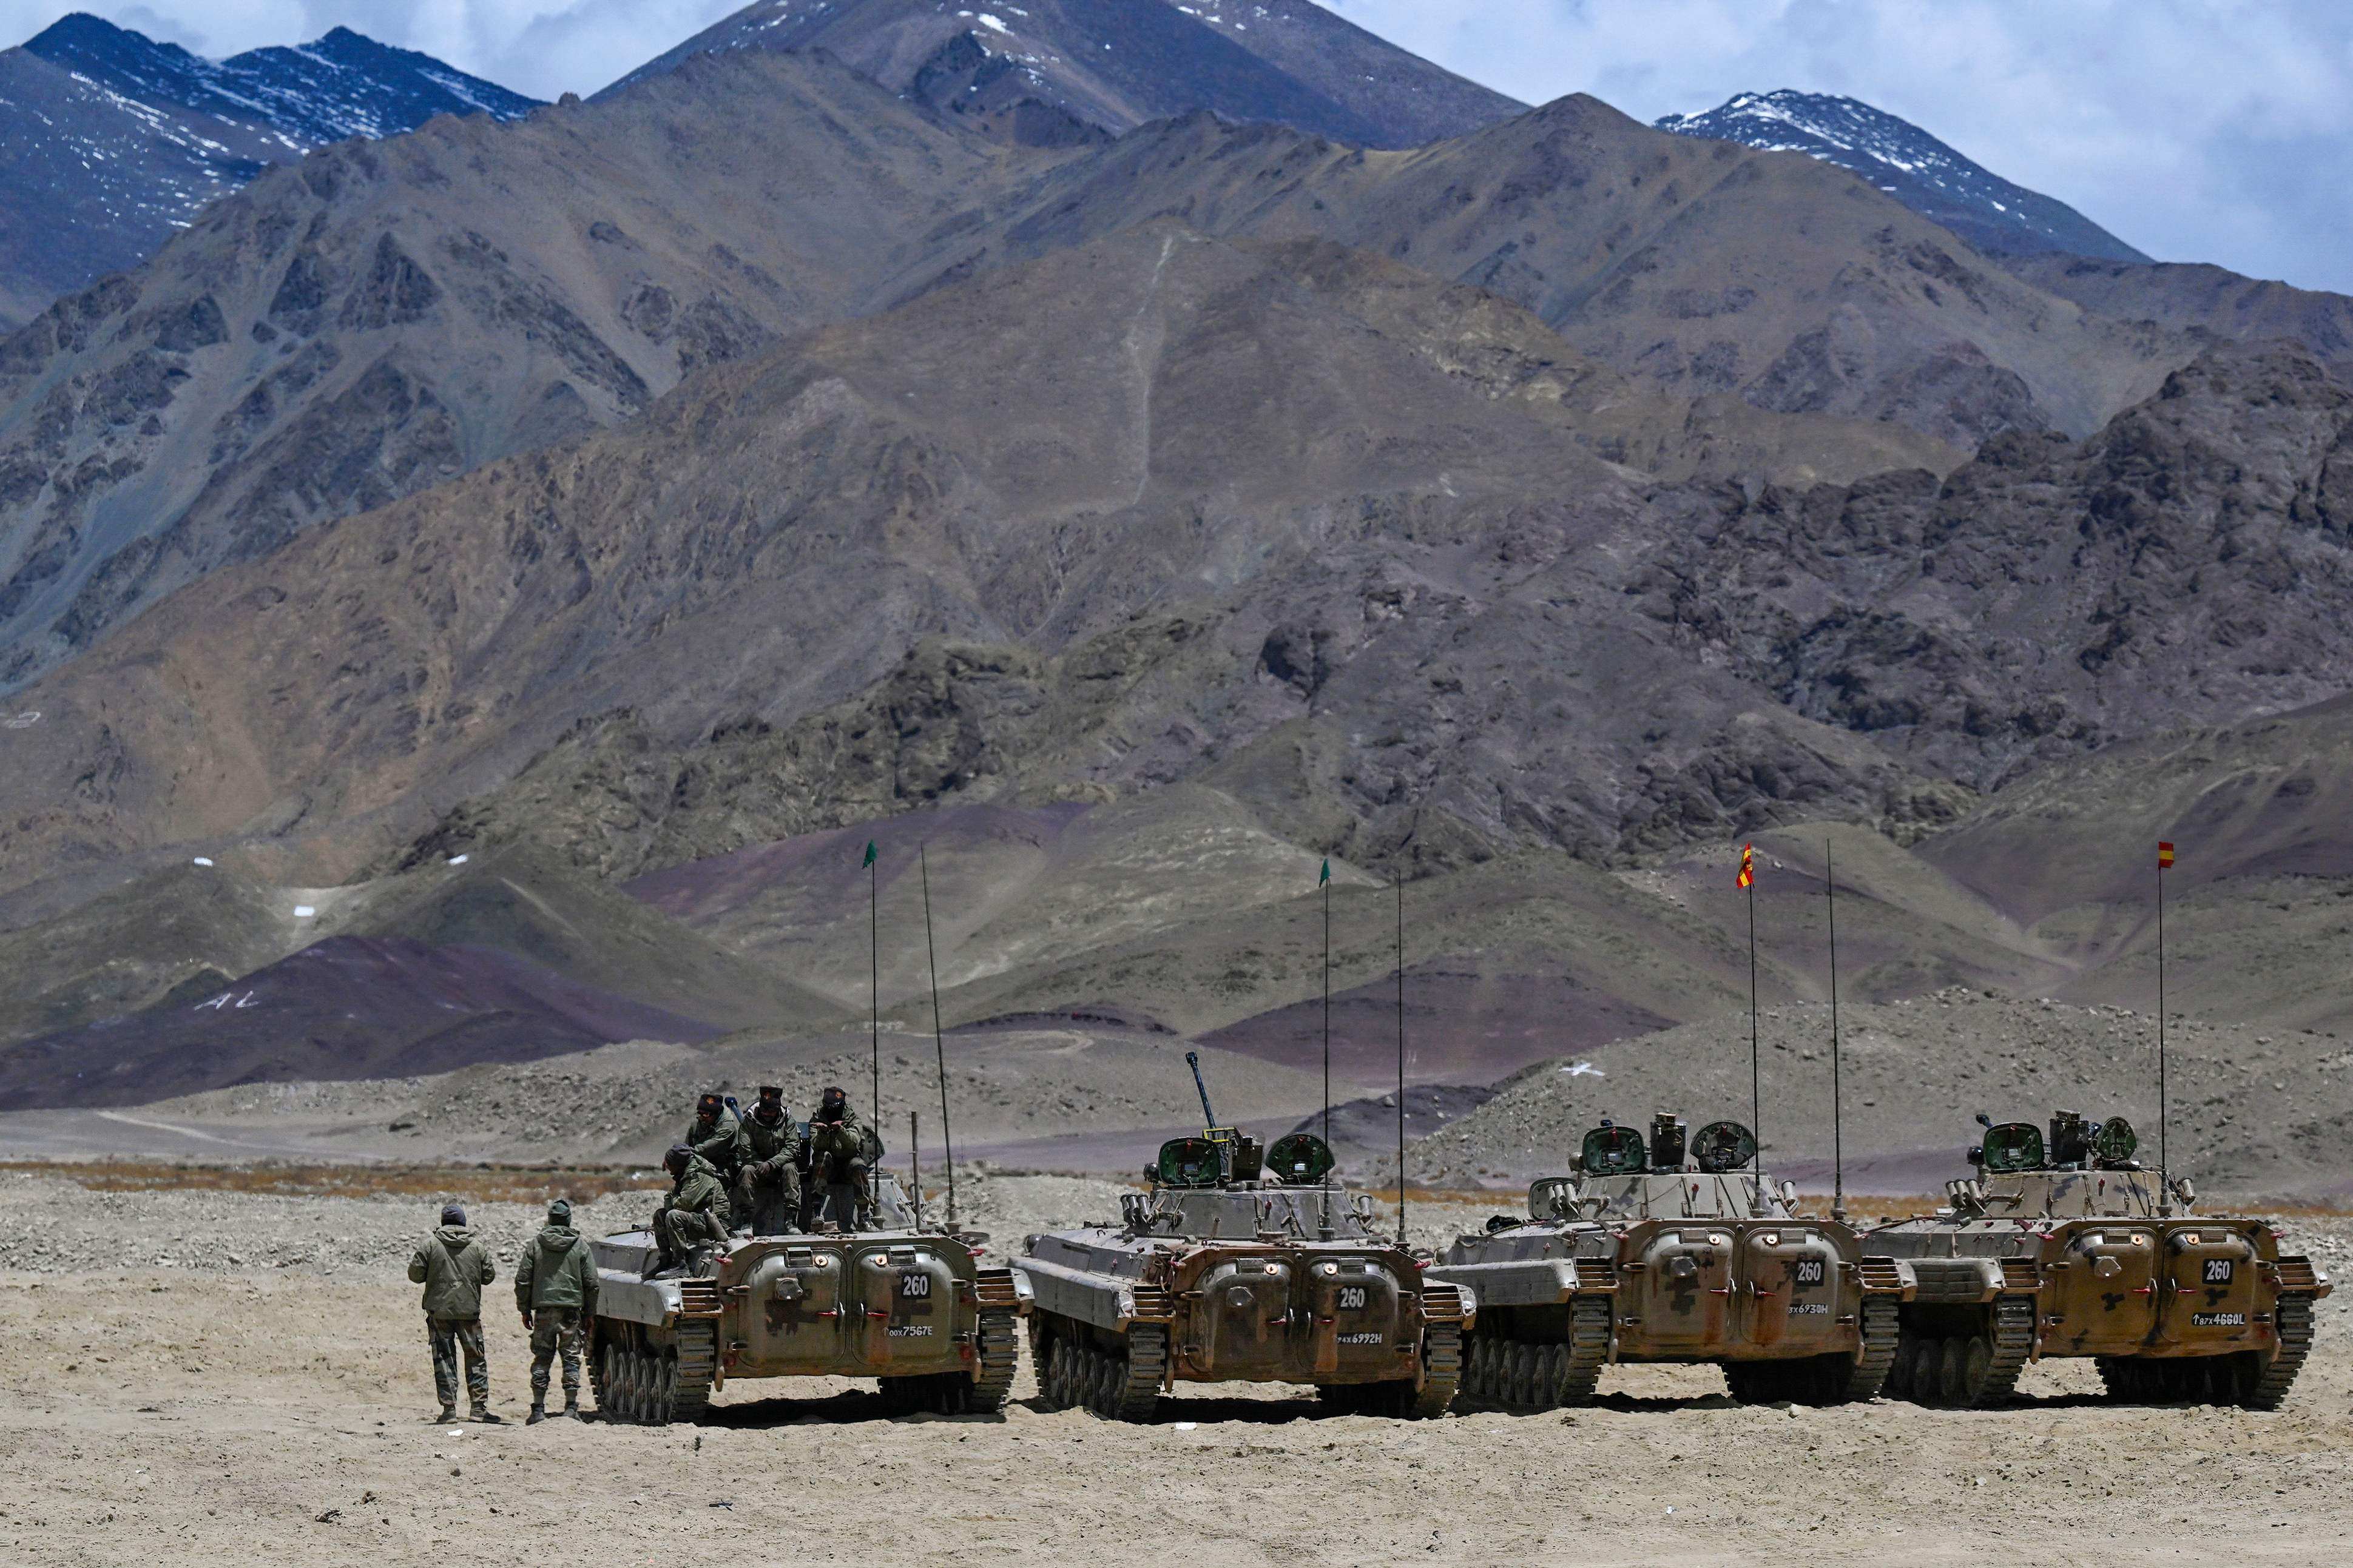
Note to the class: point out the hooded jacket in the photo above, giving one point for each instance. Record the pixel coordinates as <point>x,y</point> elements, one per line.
<point>557,1269</point>
<point>453,1266</point>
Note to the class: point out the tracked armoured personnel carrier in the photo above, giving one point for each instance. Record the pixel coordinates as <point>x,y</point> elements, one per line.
<point>1239,1267</point>
<point>909,1304</point>
<point>1642,1253</point>
<point>2068,1247</point>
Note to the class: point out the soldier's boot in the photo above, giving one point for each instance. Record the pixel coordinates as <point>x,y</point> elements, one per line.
<point>572,1405</point>
<point>538,1410</point>
<point>448,1413</point>
<point>483,1413</point>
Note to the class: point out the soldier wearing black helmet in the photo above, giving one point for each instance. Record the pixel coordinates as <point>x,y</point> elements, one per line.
<point>768,1184</point>
<point>694,1217</point>
<point>717,1134</point>
<point>843,1152</point>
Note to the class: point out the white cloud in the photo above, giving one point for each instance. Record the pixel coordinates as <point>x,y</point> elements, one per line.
<point>2196,129</point>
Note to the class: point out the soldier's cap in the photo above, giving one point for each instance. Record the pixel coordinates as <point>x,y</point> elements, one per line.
<point>560,1211</point>
<point>710,1102</point>
<point>771,1091</point>
<point>679,1154</point>
<point>452,1214</point>
<point>833,1095</point>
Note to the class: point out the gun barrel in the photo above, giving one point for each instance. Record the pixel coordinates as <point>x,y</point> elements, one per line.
<point>1193,1060</point>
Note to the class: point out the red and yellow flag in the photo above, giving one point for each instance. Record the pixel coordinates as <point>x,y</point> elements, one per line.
<point>1748,864</point>
<point>2163,857</point>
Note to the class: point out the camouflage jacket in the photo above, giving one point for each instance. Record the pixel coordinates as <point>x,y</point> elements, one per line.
<point>720,1142</point>
<point>849,1136</point>
<point>763,1143</point>
<point>698,1190</point>
<point>453,1266</point>
<point>556,1269</point>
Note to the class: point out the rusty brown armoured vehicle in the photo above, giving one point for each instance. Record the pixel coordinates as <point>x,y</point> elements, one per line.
<point>2068,1247</point>
<point>907,1304</point>
<point>1666,1250</point>
<point>1238,1266</point>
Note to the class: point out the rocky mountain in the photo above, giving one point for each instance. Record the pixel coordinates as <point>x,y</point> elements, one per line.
<point>113,142</point>
<point>1056,460</point>
<point>2185,565</point>
<point>390,314</point>
<point>2200,298</point>
<point>1995,216</point>
<point>1066,70</point>
<point>393,314</point>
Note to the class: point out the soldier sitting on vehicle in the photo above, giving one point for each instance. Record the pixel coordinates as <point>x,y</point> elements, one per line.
<point>842,1154</point>
<point>768,1184</point>
<point>693,1218</point>
<point>717,1134</point>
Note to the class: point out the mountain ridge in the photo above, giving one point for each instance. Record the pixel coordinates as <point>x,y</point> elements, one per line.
<point>1995,215</point>
<point>1108,66</point>
<point>113,142</point>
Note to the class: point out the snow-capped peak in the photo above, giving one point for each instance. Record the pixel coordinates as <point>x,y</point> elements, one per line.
<point>1905,162</point>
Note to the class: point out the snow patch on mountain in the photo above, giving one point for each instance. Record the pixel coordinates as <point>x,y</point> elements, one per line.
<point>1905,162</point>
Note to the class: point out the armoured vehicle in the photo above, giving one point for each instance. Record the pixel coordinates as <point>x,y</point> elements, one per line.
<point>2068,1247</point>
<point>1240,1265</point>
<point>908,1303</point>
<point>1644,1254</point>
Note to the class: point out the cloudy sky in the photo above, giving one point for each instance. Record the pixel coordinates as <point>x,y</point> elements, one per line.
<point>2196,129</point>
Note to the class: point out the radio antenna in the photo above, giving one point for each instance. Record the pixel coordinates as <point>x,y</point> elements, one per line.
<point>1838,1137</point>
<point>939,1037</point>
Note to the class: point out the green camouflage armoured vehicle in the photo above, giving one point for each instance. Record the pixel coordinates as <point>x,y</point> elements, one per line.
<point>1644,1255</point>
<point>909,1304</point>
<point>1225,1273</point>
<point>2069,1247</point>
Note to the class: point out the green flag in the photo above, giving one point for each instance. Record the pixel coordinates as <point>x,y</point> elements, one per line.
<point>870,856</point>
<point>1326,875</point>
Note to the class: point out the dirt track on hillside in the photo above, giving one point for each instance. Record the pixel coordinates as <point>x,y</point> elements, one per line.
<point>201,1416</point>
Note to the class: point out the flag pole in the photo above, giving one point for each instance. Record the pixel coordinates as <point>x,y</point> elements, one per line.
<point>1756,1071</point>
<point>2164,1168</point>
<point>1838,1134</point>
<point>1325,883</point>
<point>939,1037</point>
<point>874,976</point>
<point>1400,1032</point>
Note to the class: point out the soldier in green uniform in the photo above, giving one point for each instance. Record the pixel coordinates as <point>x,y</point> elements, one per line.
<point>717,1134</point>
<point>695,1215</point>
<point>768,1184</point>
<point>453,1265</point>
<point>842,1151</point>
<point>555,1292</point>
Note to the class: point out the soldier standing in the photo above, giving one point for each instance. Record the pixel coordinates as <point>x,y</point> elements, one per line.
<point>768,1186</point>
<point>695,1215</point>
<point>842,1151</point>
<point>717,1134</point>
<point>556,1290</point>
<point>453,1266</point>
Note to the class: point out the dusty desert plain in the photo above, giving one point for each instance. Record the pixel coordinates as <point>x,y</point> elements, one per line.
<point>210,1365</point>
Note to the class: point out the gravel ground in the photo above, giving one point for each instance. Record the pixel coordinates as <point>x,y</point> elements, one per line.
<point>266,1391</point>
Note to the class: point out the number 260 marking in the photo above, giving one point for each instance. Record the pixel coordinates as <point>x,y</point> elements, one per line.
<point>914,1286</point>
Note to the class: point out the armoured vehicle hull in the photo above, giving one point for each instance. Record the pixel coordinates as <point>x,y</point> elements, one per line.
<point>1242,1282</point>
<point>915,1309</point>
<point>2086,1261</point>
<point>1672,1265</point>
